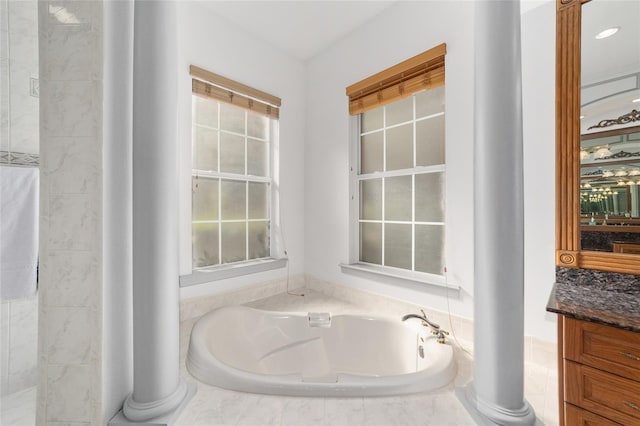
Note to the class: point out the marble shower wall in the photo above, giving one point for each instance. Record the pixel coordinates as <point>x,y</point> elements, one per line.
<point>19,345</point>
<point>70,314</point>
<point>19,76</point>
<point>18,132</point>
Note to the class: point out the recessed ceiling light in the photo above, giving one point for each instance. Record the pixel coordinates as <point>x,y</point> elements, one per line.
<point>607,33</point>
<point>582,116</point>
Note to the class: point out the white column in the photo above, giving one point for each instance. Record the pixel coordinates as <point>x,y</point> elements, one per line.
<point>496,395</point>
<point>157,387</point>
<point>635,200</point>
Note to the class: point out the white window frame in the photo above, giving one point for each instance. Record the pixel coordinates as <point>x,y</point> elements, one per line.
<point>277,258</point>
<point>367,270</point>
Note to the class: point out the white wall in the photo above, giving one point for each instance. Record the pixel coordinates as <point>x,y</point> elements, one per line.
<point>212,43</point>
<point>404,30</point>
<point>315,145</point>
<point>538,92</point>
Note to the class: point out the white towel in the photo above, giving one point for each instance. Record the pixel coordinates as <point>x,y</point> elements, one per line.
<point>19,188</point>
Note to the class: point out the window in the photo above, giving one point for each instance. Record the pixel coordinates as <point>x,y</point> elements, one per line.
<point>400,173</point>
<point>232,138</point>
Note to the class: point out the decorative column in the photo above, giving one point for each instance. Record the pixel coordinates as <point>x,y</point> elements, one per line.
<point>496,395</point>
<point>158,391</point>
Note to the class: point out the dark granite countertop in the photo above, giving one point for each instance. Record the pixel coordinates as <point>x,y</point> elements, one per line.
<point>602,297</point>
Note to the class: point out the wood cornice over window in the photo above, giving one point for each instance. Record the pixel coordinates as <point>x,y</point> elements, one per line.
<point>423,71</point>
<point>214,86</point>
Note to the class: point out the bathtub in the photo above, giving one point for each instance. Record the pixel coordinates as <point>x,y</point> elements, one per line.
<point>300,354</point>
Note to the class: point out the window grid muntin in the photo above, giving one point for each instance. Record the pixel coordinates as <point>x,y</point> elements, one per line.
<point>246,178</point>
<point>385,174</point>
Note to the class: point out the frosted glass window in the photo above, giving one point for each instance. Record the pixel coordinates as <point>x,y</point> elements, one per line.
<point>430,197</point>
<point>204,199</point>
<point>205,244</point>
<point>258,240</point>
<point>258,200</point>
<point>234,242</point>
<point>399,147</point>
<point>429,251</point>
<point>371,120</point>
<point>430,102</point>
<point>232,118</point>
<point>257,126</point>
<point>205,112</point>
<point>371,243</point>
<point>205,149</point>
<point>371,199</point>
<point>403,145</point>
<point>400,111</point>
<point>371,153</point>
<point>231,153</point>
<point>233,200</point>
<point>257,157</point>
<point>397,198</point>
<point>430,141</point>
<point>397,245</point>
<point>231,183</point>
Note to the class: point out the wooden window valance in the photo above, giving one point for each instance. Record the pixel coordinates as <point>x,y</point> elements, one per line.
<point>423,71</point>
<point>213,86</point>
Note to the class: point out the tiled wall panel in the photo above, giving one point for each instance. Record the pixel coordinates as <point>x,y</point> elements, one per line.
<point>18,145</point>
<point>70,320</point>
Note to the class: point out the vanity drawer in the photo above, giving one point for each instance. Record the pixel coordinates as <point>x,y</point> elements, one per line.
<point>607,348</point>
<point>578,417</point>
<point>608,395</point>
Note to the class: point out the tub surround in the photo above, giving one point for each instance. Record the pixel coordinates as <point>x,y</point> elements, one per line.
<point>603,297</point>
<point>195,307</point>
<point>213,405</point>
<point>537,351</point>
<point>307,354</point>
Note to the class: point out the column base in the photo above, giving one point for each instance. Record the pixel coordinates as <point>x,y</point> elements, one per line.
<point>487,415</point>
<point>156,413</point>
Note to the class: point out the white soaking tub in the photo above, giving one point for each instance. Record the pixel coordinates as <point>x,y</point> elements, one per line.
<point>300,354</point>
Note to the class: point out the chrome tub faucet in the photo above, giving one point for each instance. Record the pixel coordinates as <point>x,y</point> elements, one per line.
<point>435,328</point>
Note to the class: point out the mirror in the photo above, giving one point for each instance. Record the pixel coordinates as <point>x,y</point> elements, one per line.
<point>598,135</point>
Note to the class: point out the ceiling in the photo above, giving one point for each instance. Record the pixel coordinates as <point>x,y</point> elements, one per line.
<point>605,95</point>
<point>304,28</point>
<point>615,55</point>
<point>300,28</point>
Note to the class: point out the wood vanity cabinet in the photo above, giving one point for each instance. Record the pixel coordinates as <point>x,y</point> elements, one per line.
<point>599,374</point>
<point>599,365</point>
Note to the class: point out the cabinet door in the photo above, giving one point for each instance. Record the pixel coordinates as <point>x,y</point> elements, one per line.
<point>608,395</point>
<point>608,348</point>
<point>578,417</point>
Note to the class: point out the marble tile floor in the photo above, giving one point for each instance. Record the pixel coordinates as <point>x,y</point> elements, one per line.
<point>215,406</point>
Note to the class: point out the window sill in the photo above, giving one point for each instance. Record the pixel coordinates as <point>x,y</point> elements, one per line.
<point>406,277</point>
<point>223,272</point>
